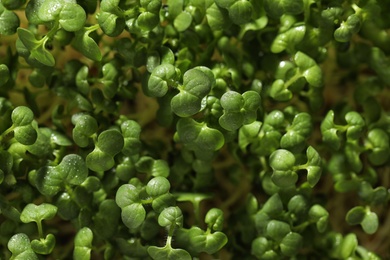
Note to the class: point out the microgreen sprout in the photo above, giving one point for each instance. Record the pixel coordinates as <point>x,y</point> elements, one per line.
<point>194,129</point>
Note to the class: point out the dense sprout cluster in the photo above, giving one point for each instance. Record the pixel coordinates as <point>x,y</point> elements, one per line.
<point>194,129</point>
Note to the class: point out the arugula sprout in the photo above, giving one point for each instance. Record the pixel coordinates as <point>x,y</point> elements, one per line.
<point>191,129</point>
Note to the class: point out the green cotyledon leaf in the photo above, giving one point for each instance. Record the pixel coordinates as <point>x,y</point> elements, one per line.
<point>9,21</point>
<point>37,213</point>
<point>83,244</point>
<point>198,137</point>
<point>51,179</point>
<point>20,247</point>
<point>297,132</point>
<point>197,83</point>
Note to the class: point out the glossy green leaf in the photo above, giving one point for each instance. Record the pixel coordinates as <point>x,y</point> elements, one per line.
<point>171,217</point>
<point>72,170</point>
<point>198,137</point>
<point>289,39</point>
<point>298,205</point>
<point>348,28</point>
<point>147,21</point>
<point>378,145</point>
<point>111,24</point>
<point>314,169</point>
<point>133,215</point>
<point>183,21</point>
<point>380,63</point>
<point>19,245</point>
<point>214,219</point>
<point>297,132</point>
<point>279,7</point>
<point>355,125</point>
<point>4,74</point>
<point>240,12</point>
<point>86,45</point>
<point>35,49</point>
<point>163,201</point>
<point>207,242</point>
<point>158,186</point>
<point>85,127</point>
<point>273,206</point>
<point>161,79</point>
<point>348,246</point>
<point>9,21</point>
<point>260,246</point>
<point>329,131</point>
<point>282,162</point>
<point>50,10</point>
<point>309,69</point>
<point>319,215</point>
<point>167,252</point>
<point>127,194</point>
<point>277,230</point>
<point>291,244</point>
<point>13,4</point>
<point>217,17</point>
<point>72,17</point>
<point>156,168</point>
<point>279,92</point>
<point>44,246</point>
<point>37,213</point>
<point>196,85</point>
<point>109,143</point>
<point>355,215</point>
<point>370,223</point>
<point>83,244</point>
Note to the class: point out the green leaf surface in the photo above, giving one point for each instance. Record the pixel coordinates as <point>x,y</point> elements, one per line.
<point>329,131</point>
<point>171,216</point>
<point>297,132</point>
<point>133,215</point>
<point>167,252</point>
<point>72,170</point>
<point>207,242</point>
<point>348,28</point>
<point>214,219</point>
<point>85,127</point>
<point>276,8</point>
<point>196,85</point>
<point>161,78</point>
<point>240,12</point>
<point>217,17</point>
<point>370,223</point>
<point>356,125</point>
<point>277,230</point>
<point>309,69</point>
<point>355,215</point>
<point>158,186</point>
<point>4,74</point>
<point>44,246</point>
<point>273,206</point>
<point>19,245</point>
<point>83,43</point>
<point>9,21</point>
<point>348,246</point>
<point>83,244</point>
<point>198,137</point>
<point>183,21</point>
<point>111,24</point>
<point>291,244</point>
<point>126,195</point>
<point>289,39</point>
<point>37,213</point>
<point>72,17</point>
